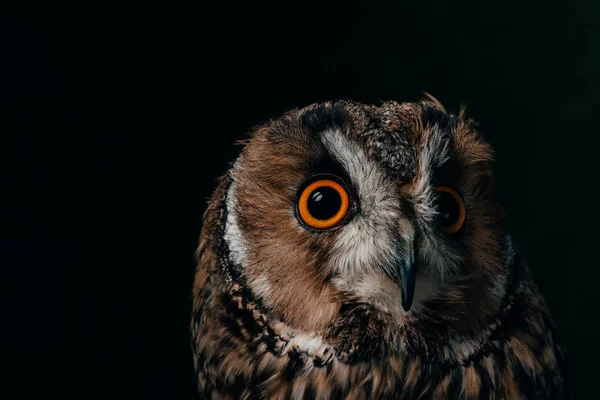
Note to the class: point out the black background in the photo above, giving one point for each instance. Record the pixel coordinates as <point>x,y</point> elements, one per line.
<point>117,119</point>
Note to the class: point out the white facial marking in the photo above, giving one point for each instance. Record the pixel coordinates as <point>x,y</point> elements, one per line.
<point>435,253</point>
<point>369,242</point>
<point>236,243</point>
<point>233,235</point>
<point>499,288</point>
<point>433,154</point>
<point>368,237</point>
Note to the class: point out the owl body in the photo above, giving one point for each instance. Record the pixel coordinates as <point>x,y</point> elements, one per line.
<point>354,252</point>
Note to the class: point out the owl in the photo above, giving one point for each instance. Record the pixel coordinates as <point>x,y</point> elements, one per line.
<point>359,252</point>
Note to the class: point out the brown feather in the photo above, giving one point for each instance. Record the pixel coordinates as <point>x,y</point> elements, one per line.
<point>279,326</point>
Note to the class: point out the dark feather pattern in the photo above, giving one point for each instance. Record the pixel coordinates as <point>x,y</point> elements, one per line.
<point>242,350</point>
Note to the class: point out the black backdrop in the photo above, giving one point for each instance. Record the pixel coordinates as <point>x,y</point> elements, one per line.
<point>117,119</point>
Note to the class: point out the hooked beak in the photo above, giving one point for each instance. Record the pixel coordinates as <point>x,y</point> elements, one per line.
<point>408,272</point>
<point>404,273</point>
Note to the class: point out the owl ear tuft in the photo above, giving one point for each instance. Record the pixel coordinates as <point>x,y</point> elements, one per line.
<point>462,113</point>
<point>436,103</point>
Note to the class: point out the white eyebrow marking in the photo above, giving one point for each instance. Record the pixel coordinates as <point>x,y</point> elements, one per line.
<point>367,241</point>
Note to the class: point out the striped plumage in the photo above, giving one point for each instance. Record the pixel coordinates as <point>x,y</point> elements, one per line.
<point>478,328</point>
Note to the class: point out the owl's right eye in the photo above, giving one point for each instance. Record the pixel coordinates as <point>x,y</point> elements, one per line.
<point>323,204</point>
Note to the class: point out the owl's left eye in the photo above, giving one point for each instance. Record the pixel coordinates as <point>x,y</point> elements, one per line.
<point>451,209</point>
<point>323,204</point>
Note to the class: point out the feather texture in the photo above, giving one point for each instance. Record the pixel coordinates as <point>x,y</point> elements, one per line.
<point>281,312</point>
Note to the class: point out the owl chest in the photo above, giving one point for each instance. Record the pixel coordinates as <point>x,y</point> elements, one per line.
<point>245,373</point>
<point>239,355</point>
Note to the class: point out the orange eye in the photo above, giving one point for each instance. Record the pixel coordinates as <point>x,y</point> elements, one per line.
<point>451,209</point>
<point>323,204</point>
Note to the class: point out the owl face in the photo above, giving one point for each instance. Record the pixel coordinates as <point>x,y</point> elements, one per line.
<point>389,206</point>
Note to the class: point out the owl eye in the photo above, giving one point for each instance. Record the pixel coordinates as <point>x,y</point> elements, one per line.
<point>323,204</point>
<point>451,209</point>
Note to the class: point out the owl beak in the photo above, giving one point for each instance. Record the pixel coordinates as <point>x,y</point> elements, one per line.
<point>408,273</point>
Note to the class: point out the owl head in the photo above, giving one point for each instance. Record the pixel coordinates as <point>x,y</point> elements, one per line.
<point>389,207</point>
